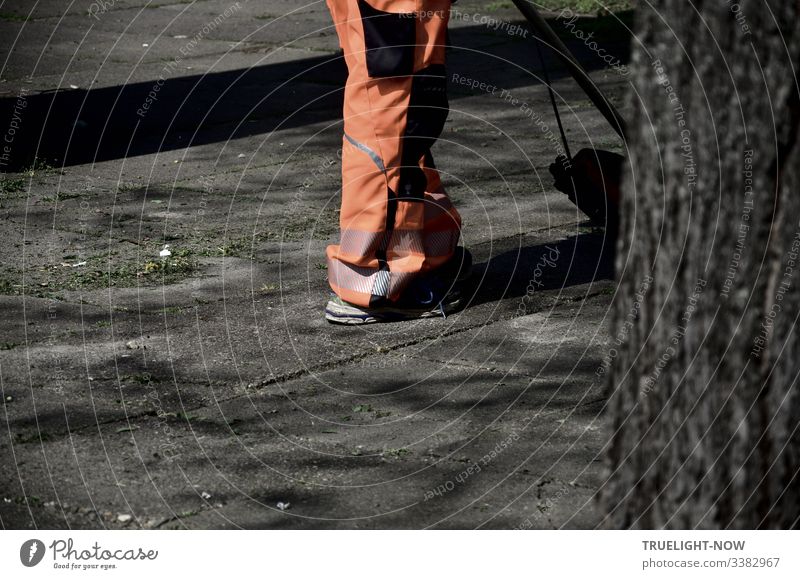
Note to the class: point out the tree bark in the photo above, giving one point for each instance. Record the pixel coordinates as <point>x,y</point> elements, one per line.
<point>704,358</point>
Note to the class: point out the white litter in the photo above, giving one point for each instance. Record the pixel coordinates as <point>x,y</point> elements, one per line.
<point>283,506</point>
<point>165,252</point>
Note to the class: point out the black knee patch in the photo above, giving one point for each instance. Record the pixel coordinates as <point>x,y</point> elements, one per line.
<point>427,112</point>
<point>427,108</point>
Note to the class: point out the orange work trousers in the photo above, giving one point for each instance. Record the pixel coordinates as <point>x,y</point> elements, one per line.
<point>396,220</point>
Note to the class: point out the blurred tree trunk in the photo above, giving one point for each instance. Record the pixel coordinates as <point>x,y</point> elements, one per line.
<point>705,356</point>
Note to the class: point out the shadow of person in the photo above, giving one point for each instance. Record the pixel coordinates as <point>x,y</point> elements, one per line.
<point>577,260</point>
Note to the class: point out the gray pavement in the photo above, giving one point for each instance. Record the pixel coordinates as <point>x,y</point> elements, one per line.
<point>205,389</point>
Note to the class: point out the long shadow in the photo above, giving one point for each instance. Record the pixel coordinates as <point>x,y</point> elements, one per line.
<point>73,127</point>
<point>522,271</point>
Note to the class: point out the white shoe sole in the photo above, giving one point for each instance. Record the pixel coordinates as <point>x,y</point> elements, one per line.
<point>338,313</point>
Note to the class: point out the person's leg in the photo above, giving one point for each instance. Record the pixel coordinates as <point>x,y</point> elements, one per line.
<point>442,220</point>
<point>396,221</point>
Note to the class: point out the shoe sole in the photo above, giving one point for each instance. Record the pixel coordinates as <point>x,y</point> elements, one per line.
<point>341,314</point>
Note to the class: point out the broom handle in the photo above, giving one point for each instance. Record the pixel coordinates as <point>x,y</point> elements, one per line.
<point>578,73</point>
<point>553,100</point>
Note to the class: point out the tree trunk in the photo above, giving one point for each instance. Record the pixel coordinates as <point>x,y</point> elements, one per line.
<point>704,356</point>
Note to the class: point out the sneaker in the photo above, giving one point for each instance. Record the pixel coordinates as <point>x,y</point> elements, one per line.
<point>339,311</point>
<point>435,294</point>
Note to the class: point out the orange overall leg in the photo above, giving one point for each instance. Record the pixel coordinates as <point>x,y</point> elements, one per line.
<point>396,220</point>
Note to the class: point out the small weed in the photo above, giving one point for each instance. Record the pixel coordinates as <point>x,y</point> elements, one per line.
<point>396,452</point>
<point>495,6</point>
<point>9,186</point>
<point>62,195</point>
<point>38,166</point>
<point>234,248</point>
<point>8,288</point>
<point>586,6</point>
<point>11,17</point>
<point>33,437</point>
<point>143,378</point>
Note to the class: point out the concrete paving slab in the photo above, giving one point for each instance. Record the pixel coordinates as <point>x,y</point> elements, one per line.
<point>289,441</point>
